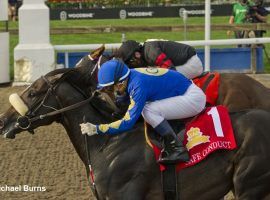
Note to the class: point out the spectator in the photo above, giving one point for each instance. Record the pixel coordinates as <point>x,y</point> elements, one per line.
<point>238,16</point>
<point>258,14</point>
<point>162,53</point>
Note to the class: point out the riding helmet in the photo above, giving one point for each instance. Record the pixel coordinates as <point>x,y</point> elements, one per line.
<point>128,48</point>
<point>112,72</point>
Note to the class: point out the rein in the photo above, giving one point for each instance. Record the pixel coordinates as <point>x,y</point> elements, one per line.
<point>24,122</point>
<point>62,110</point>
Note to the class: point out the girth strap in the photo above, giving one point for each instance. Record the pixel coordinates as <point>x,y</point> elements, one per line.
<point>169,183</point>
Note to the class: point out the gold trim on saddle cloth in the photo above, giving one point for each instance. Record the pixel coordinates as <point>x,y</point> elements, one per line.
<point>146,135</point>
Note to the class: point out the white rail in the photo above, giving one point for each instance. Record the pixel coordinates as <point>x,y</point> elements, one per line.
<point>89,47</point>
<point>80,47</point>
<point>207,34</point>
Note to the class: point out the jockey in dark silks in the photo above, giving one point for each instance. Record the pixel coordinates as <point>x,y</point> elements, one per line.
<point>165,54</point>
<point>158,94</point>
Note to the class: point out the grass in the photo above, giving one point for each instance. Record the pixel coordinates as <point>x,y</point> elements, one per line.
<point>139,36</point>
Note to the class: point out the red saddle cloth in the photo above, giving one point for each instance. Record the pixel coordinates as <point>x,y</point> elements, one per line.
<point>209,131</point>
<point>209,83</point>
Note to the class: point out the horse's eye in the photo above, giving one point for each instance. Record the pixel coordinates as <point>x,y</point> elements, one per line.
<point>32,94</point>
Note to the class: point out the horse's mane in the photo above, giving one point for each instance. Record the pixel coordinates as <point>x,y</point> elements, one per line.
<point>78,76</point>
<point>57,72</point>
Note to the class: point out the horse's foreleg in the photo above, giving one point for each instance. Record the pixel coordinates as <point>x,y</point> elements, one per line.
<point>252,167</point>
<point>139,188</point>
<point>252,179</point>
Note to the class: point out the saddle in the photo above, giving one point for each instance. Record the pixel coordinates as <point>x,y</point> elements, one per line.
<point>209,83</point>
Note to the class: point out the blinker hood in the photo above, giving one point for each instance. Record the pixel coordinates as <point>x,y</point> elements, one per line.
<point>18,104</point>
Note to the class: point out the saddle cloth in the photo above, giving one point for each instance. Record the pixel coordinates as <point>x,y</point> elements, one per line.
<point>209,131</point>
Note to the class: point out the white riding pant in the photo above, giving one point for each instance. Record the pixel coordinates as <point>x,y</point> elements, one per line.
<point>179,107</point>
<point>192,68</point>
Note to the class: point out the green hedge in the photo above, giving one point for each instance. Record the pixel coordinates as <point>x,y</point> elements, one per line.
<point>120,3</point>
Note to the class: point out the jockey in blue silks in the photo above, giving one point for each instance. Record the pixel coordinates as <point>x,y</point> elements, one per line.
<point>159,95</point>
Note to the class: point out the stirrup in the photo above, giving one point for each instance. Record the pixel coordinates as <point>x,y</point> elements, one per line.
<point>173,157</point>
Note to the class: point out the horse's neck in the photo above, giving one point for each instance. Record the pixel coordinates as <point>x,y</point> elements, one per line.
<point>71,122</point>
<point>103,150</point>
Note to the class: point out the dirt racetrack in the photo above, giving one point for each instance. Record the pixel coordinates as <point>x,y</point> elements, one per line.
<point>46,159</point>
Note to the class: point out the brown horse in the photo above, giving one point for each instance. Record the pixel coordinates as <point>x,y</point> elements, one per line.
<point>236,91</point>
<point>123,165</point>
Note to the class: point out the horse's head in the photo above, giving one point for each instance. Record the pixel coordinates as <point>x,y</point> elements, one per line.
<point>43,102</point>
<point>27,109</point>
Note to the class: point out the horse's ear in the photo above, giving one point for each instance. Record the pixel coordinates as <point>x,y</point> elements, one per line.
<point>97,52</point>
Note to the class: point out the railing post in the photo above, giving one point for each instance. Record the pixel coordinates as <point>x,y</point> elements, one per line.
<point>66,60</point>
<point>4,43</point>
<point>253,58</point>
<point>207,54</point>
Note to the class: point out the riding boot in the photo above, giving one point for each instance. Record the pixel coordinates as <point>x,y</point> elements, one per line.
<point>174,151</point>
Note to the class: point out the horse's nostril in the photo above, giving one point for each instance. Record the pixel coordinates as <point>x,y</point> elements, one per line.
<point>2,124</point>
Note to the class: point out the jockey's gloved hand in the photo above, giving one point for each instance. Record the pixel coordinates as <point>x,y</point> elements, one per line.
<point>88,128</point>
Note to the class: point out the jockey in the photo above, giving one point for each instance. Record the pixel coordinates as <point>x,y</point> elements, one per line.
<point>165,54</point>
<point>158,94</point>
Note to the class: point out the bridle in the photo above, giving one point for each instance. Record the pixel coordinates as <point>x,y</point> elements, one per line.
<point>24,122</point>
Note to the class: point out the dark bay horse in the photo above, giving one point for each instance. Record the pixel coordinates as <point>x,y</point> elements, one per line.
<point>236,91</point>
<point>124,166</point>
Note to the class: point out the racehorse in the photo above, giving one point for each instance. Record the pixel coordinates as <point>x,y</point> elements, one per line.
<point>236,91</point>
<point>123,166</point>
